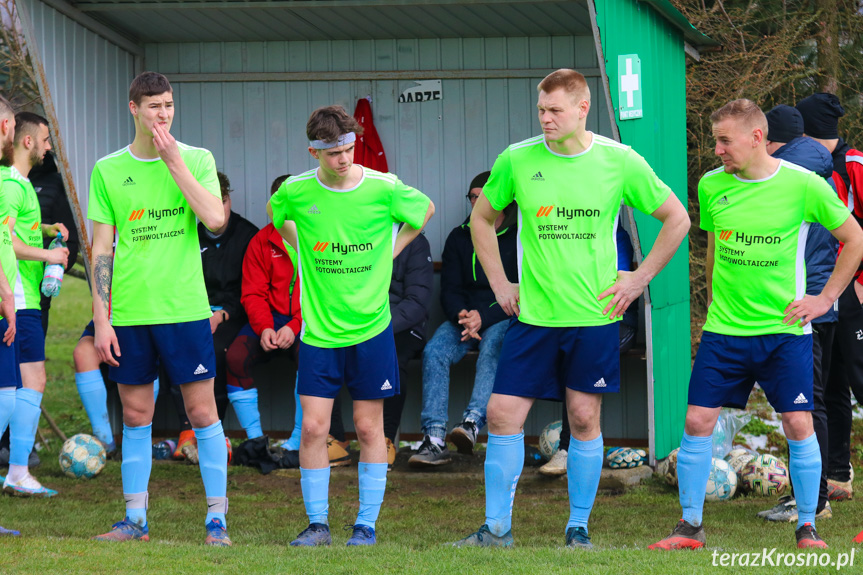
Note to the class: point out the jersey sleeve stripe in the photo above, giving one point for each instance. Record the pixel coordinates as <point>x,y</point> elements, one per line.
<point>795,167</point>
<point>713,172</point>
<point>603,141</point>
<point>113,154</point>
<point>529,142</point>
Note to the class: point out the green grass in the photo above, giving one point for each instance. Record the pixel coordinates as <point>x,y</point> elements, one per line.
<point>421,511</point>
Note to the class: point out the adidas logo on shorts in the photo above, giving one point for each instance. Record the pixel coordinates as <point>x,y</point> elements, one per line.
<point>314,209</point>
<point>200,369</point>
<point>723,201</point>
<point>600,383</point>
<point>386,386</point>
<point>801,399</point>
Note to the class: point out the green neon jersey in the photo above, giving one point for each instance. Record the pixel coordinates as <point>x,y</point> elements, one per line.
<point>760,229</point>
<point>569,210</point>
<point>23,205</point>
<point>345,240</point>
<point>7,253</point>
<point>158,276</point>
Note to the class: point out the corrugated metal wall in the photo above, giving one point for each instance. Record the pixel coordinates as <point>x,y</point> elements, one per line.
<point>256,130</point>
<point>88,78</point>
<point>628,27</point>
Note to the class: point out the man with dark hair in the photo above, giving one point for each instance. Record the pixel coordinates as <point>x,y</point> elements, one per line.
<point>570,294</point>
<point>222,253</point>
<point>32,142</point>
<point>11,376</point>
<point>754,269</point>
<point>821,113</point>
<point>340,217</point>
<point>473,321</point>
<point>150,303</point>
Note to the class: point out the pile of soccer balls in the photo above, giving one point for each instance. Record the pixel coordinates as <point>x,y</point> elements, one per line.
<point>82,456</point>
<point>740,471</point>
<point>617,457</point>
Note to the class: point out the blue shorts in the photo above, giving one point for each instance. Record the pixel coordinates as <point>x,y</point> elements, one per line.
<point>370,369</point>
<point>30,335</point>
<point>10,374</point>
<point>90,331</point>
<point>727,367</point>
<point>540,362</point>
<point>185,350</point>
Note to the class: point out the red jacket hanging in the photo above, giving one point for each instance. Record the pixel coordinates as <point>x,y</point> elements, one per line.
<point>369,151</point>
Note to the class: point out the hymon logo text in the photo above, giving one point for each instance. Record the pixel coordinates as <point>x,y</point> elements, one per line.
<point>156,214</point>
<point>343,249</point>
<point>748,240</point>
<point>566,213</point>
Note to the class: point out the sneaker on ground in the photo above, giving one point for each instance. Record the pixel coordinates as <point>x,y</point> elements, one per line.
<point>684,536</point>
<point>338,452</point>
<point>430,455</point>
<point>783,504</point>
<point>808,537</point>
<point>8,532</point>
<point>556,466</point>
<point>312,536</point>
<point>125,530</point>
<point>485,538</point>
<point>362,535</point>
<point>391,454</point>
<point>28,486</point>
<point>839,490</point>
<point>187,437</point>
<point>789,514</point>
<point>217,534</point>
<point>577,538</point>
<point>463,437</point>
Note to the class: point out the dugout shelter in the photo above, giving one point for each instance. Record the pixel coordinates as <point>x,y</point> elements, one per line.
<point>247,73</point>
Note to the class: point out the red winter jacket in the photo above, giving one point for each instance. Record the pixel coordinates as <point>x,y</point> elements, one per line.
<point>369,151</point>
<point>269,282</point>
<point>848,177</point>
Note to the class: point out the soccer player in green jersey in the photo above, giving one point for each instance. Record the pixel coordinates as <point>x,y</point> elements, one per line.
<point>758,317</point>
<point>10,378</point>
<point>569,184</point>
<point>342,219</point>
<point>32,141</point>
<point>151,304</point>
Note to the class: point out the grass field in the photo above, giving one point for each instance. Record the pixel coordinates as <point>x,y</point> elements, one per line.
<point>421,512</point>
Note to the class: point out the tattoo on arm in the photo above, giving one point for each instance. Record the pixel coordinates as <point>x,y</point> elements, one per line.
<point>104,273</point>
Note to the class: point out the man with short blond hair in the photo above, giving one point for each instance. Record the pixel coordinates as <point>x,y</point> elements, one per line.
<point>758,320</point>
<point>569,184</point>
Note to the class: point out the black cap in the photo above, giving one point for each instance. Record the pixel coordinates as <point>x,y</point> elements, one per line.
<point>479,181</point>
<point>784,123</point>
<point>821,113</point>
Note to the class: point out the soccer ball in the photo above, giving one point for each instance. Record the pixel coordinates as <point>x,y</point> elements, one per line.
<point>549,439</point>
<point>667,468</point>
<point>82,455</point>
<point>766,475</point>
<point>739,458</point>
<point>625,457</point>
<point>722,483</point>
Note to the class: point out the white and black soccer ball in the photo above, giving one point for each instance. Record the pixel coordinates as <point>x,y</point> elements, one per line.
<point>82,456</point>
<point>667,468</point>
<point>739,458</point>
<point>549,439</point>
<point>766,475</point>
<point>722,483</point>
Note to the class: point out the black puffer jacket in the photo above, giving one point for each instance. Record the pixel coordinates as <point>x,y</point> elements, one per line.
<point>463,282</point>
<point>222,259</point>
<point>411,287</point>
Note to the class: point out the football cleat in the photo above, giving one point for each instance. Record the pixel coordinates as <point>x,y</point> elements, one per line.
<point>362,535</point>
<point>217,534</point>
<point>807,537</point>
<point>485,538</point>
<point>125,530</point>
<point>314,535</point>
<point>28,486</point>
<point>577,538</point>
<point>684,536</point>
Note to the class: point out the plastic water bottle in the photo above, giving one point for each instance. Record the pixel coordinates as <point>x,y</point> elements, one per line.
<point>52,279</point>
<point>164,449</point>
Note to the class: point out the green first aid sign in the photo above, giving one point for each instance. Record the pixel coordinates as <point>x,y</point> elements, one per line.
<point>629,80</point>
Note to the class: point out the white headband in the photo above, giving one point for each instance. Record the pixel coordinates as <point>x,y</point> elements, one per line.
<point>348,138</point>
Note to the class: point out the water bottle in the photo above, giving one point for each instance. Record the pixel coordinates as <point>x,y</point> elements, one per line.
<point>52,279</point>
<point>164,449</point>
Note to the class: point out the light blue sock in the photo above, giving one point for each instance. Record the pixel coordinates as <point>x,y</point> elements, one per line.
<point>693,471</point>
<point>7,407</point>
<point>135,470</point>
<point>22,426</point>
<point>213,461</point>
<point>504,461</point>
<point>245,404</point>
<point>155,390</point>
<point>805,468</point>
<point>583,468</point>
<point>373,483</point>
<point>94,396</point>
<point>293,442</point>
<point>315,484</point>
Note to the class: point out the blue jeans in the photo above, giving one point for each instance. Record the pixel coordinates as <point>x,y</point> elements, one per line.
<point>446,349</point>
